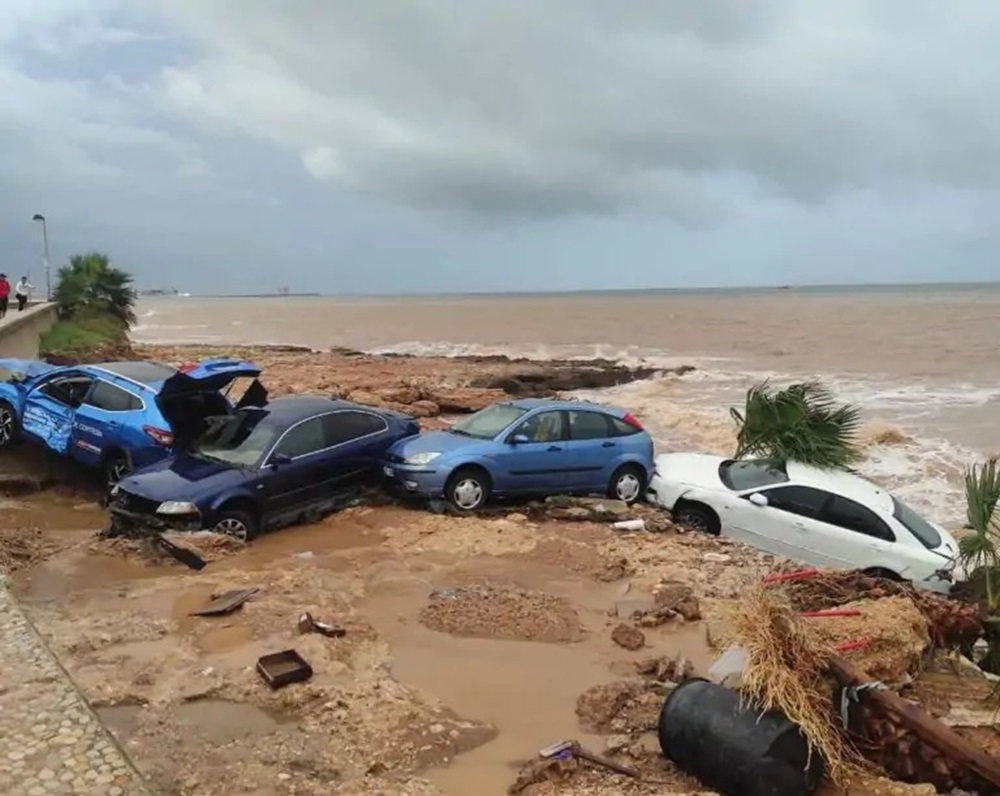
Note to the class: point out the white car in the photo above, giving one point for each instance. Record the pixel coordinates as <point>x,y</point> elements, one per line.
<point>823,518</point>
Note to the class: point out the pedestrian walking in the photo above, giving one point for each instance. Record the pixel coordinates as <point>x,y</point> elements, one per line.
<point>21,293</point>
<point>4,295</point>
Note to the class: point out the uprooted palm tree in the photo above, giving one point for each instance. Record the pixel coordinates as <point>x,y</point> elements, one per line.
<point>979,551</point>
<point>91,283</point>
<point>802,422</point>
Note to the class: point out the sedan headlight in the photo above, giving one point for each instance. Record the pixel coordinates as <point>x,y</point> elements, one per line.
<point>422,458</point>
<point>176,507</point>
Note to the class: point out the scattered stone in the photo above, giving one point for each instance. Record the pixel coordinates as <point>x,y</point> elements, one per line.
<point>489,612</point>
<point>663,669</point>
<point>628,637</point>
<point>718,558</point>
<point>627,609</point>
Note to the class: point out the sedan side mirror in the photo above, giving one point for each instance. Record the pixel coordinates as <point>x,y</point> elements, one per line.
<point>758,499</point>
<point>280,459</point>
<point>517,439</point>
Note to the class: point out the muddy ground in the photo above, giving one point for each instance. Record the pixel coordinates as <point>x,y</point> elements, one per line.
<point>469,644</point>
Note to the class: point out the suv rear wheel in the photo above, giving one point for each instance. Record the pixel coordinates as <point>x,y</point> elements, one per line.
<point>8,425</point>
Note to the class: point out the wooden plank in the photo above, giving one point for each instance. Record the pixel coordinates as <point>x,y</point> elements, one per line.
<point>929,730</point>
<point>226,603</point>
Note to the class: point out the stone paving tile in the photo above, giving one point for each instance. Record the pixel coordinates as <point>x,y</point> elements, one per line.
<point>51,743</point>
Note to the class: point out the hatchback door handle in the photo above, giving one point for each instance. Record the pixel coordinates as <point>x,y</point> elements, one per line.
<point>554,448</point>
<point>608,445</point>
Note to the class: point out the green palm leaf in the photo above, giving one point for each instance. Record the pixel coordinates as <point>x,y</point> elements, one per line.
<point>802,422</point>
<point>91,283</point>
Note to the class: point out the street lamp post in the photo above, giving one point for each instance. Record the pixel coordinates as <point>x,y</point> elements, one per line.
<point>45,250</point>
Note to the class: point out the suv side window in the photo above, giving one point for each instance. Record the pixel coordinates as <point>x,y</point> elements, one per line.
<point>305,438</point>
<point>340,427</point>
<point>853,516</point>
<point>802,500</point>
<point>111,398</point>
<point>543,427</point>
<point>69,391</point>
<point>588,425</point>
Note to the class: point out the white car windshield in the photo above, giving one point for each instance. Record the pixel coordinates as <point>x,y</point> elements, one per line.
<point>488,422</point>
<point>917,525</point>
<point>742,474</point>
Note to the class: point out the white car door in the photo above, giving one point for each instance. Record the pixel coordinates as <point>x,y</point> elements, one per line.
<point>787,526</point>
<point>856,536</point>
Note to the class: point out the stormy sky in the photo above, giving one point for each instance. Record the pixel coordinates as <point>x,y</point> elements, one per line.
<point>489,145</point>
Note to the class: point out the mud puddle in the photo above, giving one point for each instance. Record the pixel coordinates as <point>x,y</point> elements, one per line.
<point>218,721</point>
<point>78,570</point>
<point>527,689</point>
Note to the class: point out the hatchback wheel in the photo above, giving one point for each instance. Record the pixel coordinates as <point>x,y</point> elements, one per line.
<point>468,489</point>
<point>627,484</point>
<point>8,425</point>
<point>240,525</point>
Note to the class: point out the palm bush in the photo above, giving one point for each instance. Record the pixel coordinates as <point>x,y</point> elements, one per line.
<point>979,550</point>
<point>90,283</point>
<point>802,422</point>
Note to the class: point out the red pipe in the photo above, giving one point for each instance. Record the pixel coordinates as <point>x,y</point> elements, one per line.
<point>801,574</point>
<point>849,646</point>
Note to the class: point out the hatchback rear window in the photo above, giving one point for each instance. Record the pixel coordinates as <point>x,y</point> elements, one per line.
<point>917,525</point>
<point>740,474</point>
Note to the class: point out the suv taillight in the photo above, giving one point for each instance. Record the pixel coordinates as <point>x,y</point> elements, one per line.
<point>631,420</point>
<point>159,435</point>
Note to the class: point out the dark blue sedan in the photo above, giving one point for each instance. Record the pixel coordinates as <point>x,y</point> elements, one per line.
<point>263,467</point>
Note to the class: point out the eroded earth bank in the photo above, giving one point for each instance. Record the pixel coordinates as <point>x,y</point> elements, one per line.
<point>469,643</point>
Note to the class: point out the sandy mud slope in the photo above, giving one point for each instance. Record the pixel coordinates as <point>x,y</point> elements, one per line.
<point>469,643</point>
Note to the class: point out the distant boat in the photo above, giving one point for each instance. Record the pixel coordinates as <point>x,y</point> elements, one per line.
<point>783,287</point>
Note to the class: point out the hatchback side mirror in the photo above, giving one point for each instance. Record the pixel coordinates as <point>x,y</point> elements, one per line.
<point>517,439</point>
<point>280,459</point>
<point>758,499</point>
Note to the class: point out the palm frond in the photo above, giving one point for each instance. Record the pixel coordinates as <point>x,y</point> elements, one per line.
<point>803,422</point>
<point>89,281</point>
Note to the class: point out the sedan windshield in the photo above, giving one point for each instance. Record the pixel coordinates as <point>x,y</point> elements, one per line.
<point>240,440</point>
<point>488,422</point>
<point>740,474</point>
<point>917,525</point>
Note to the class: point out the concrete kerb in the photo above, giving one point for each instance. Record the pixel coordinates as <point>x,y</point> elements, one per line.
<point>71,780</point>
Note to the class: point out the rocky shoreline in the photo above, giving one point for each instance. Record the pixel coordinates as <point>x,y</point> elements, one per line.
<point>425,387</point>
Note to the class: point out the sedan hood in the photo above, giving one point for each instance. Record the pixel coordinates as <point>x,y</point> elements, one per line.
<point>437,442</point>
<point>695,469</point>
<point>182,477</point>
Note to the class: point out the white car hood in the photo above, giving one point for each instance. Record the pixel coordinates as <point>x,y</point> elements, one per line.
<point>694,469</point>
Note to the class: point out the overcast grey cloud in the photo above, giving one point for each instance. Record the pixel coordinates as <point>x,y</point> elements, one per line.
<point>454,145</point>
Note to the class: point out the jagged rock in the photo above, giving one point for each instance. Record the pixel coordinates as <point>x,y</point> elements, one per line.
<point>628,637</point>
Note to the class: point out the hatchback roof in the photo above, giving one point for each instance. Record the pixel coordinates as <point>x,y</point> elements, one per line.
<point>528,404</point>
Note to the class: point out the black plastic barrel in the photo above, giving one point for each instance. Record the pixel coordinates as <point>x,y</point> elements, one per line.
<point>734,748</point>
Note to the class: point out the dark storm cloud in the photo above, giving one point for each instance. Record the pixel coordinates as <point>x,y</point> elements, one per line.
<point>522,109</point>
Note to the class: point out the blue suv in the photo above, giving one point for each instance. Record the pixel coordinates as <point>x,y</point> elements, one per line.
<point>117,416</point>
<point>529,446</point>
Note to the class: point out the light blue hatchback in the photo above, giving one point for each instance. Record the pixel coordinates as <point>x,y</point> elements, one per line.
<point>526,447</point>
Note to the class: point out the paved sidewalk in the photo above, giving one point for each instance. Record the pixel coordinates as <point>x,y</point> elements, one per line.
<point>51,742</point>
